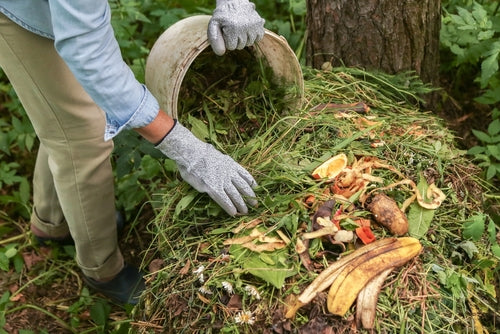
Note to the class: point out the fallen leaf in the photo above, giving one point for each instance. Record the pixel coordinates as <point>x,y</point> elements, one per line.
<point>234,302</point>
<point>247,225</point>
<point>266,247</point>
<point>156,265</point>
<point>185,269</point>
<point>31,258</point>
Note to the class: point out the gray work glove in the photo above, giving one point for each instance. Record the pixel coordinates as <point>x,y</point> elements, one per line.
<point>208,170</point>
<point>234,25</point>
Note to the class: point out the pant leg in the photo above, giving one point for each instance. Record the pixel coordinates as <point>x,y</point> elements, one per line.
<point>47,213</point>
<point>70,127</point>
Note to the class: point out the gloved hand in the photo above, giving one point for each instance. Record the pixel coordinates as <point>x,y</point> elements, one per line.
<point>208,170</point>
<point>234,25</point>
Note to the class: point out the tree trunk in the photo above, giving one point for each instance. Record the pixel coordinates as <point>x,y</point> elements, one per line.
<point>388,35</point>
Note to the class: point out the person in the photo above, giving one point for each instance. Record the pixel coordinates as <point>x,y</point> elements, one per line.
<point>64,62</point>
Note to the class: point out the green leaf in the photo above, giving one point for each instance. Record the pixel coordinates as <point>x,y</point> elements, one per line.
<point>99,313</point>
<point>494,150</point>
<point>494,127</point>
<point>490,96</point>
<point>476,150</point>
<point>199,129</point>
<point>495,249</point>
<point>484,137</point>
<point>492,234</point>
<point>419,220</point>
<point>491,172</point>
<point>474,227</point>
<point>489,67</point>
<point>469,247</point>
<point>184,203</point>
<point>4,262</point>
<point>492,237</point>
<point>483,35</point>
<point>10,252</point>
<point>272,267</point>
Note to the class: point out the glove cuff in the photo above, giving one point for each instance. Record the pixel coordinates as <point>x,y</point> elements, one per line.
<point>181,145</point>
<point>165,136</point>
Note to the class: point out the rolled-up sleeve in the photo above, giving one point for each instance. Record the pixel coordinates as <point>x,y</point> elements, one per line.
<point>85,40</point>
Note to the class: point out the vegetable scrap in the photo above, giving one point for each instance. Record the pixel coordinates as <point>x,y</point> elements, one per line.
<point>387,213</point>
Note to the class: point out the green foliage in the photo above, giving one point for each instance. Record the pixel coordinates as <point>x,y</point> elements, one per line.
<point>488,153</point>
<point>472,36</point>
<point>10,255</point>
<point>470,33</point>
<point>476,226</point>
<point>419,218</point>
<point>17,140</point>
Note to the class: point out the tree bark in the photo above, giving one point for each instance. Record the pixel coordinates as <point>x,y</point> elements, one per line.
<point>388,35</point>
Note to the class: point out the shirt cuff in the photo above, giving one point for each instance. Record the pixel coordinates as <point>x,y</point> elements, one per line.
<point>143,115</point>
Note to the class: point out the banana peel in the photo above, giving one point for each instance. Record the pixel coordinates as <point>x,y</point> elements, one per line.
<point>354,276</point>
<point>366,303</point>
<point>350,274</point>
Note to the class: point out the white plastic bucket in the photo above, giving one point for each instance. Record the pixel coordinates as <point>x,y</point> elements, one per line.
<point>176,49</point>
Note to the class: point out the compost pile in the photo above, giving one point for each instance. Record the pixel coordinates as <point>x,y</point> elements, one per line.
<point>356,180</point>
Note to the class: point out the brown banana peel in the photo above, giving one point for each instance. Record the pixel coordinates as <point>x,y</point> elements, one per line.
<point>327,276</point>
<point>366,303</point>
<point>353,277</point>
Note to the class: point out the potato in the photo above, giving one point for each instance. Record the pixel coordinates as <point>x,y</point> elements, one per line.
<point>387,213</point>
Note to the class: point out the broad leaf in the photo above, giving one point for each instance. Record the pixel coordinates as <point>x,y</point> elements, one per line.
<point>419,220</point>
<point>494,127</point>
<point>474,227</point>
<point>489,67</point>
<point>469,247</point>
<point>491,172</point>
<point>199,129</point>
<point>484,137</point>
<point>184,203</point>
<point>272,267</point>
<point>494,150</point>
<point>476,150</point>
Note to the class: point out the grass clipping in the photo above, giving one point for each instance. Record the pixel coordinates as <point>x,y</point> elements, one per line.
<point>202,277</point>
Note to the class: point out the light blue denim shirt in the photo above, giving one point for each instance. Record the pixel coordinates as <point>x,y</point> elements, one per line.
<point>83,36</point>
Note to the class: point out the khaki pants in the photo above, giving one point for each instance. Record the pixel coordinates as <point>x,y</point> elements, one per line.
<point>73,187</point>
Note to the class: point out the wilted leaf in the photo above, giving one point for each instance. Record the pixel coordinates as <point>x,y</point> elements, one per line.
<point>469,247</point>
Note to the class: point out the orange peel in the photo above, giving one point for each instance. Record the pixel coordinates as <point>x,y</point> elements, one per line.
<point>331,168</point>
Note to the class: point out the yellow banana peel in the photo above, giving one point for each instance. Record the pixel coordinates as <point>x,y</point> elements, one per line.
<point>355,275</point>
<point>380,254</point>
